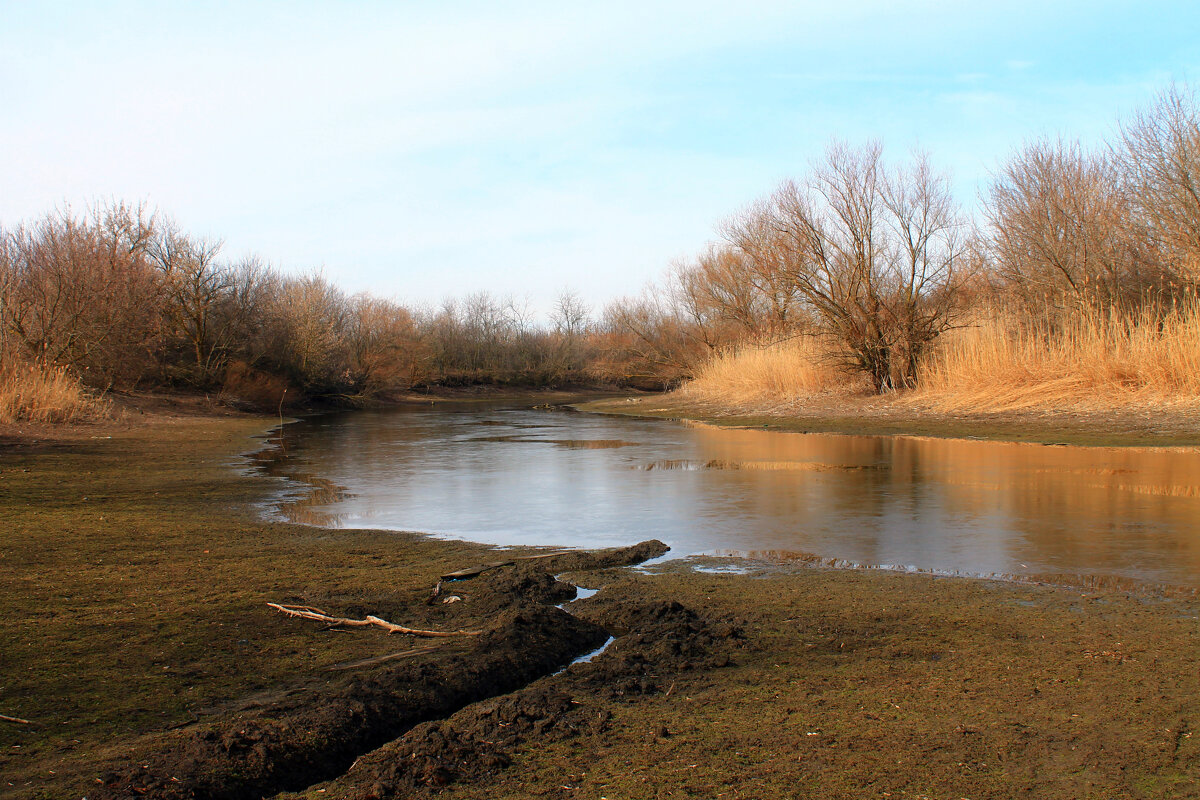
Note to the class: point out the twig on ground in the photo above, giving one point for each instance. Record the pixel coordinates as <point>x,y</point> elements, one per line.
<point>366,662</point>
<point>303,613</point>
<point>471,572</point>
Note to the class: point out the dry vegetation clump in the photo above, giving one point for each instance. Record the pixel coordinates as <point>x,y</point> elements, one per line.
<point>1005,362</point>
<point>37,392</point>
<point>773,375</point>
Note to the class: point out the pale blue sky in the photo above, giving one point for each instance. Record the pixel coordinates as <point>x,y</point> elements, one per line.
<point>421,150</point>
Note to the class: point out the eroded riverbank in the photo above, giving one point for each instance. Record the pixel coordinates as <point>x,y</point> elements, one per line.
<point>134,591</point>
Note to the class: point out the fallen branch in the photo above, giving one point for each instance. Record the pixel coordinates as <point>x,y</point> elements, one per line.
<point>366,662</point>
<point>7,718</point>
<point>303,612</point>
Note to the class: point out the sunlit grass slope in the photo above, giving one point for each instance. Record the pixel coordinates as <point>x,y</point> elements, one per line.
<point>777,374</point>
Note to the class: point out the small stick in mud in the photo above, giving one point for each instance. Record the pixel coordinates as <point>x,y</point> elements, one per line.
<point>303,613</point>
<point>472,572</point>
<point>437,590</point>
<point>7,718</point>
<point>366,662</point>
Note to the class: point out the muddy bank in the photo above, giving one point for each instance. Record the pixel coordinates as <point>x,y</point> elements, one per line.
<point>656,641</point>
<point>314,733</point>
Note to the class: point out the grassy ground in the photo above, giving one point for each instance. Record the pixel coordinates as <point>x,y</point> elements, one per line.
<point>134,575</point>
<point>133,581</point>
<point>860,685</point>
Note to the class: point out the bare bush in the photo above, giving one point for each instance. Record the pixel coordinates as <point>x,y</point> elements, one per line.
<point>1159,156</point>
<point>80,292</point>
<point>649,342</point>
<point>1061,229</point>
<point>385,349</point>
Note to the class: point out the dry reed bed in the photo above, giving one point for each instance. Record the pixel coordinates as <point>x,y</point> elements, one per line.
<point>997,362</point>
<point>44,393</point>
<point>1085,360</point>
<point>772,376</point>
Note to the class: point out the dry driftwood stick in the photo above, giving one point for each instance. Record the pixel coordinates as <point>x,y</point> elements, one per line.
<point>7,718</point>
<point>304,613</point>
<point>366,662</point>
<point>471,572</point>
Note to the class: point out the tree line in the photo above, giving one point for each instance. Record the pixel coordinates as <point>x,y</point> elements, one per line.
<point>125,298</point>
<point>877,259</point>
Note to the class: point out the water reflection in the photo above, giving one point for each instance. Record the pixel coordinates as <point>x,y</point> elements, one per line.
<point>525,476</point>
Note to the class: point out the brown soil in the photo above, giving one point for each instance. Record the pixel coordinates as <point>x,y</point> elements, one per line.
<point>313,733</point>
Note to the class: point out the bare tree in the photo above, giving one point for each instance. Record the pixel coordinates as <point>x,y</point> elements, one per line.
<point>570,315</point>
<point>79,291</point>
<point>197,286</point>
<point>1159,155</point>
<point>926,261</point>
<point>570,319</point>
<point>874,255</point>
<point>1061,228</point>
<point>311,317</point>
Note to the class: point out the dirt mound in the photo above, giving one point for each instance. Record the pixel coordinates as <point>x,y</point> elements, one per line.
<point>661,639</point>
<point>500,589</point>
<point>655,639</point>
<point>317,735</point>
<point>584,560</point>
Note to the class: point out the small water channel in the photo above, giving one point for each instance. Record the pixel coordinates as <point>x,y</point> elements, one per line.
<point>522,476</point>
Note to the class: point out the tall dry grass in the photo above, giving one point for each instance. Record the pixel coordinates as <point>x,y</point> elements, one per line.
<point>1005,362</point>
<point>773,376</point>
<point>44,393</point>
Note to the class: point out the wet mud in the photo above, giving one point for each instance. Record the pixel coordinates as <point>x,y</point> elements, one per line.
<point>389,726</point>
<point>656,641</point>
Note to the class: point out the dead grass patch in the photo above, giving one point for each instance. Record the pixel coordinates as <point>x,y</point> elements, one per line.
<point>772,376</point>
<point>1083,360</point>
<point>36,392</point>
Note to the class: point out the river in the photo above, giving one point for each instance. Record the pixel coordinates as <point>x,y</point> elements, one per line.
<point>520,476</point>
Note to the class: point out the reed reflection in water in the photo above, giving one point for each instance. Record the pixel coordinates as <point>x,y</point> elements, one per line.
<point>524,476</point>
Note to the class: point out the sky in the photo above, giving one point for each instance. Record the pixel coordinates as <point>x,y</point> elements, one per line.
<point>424,150</point>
